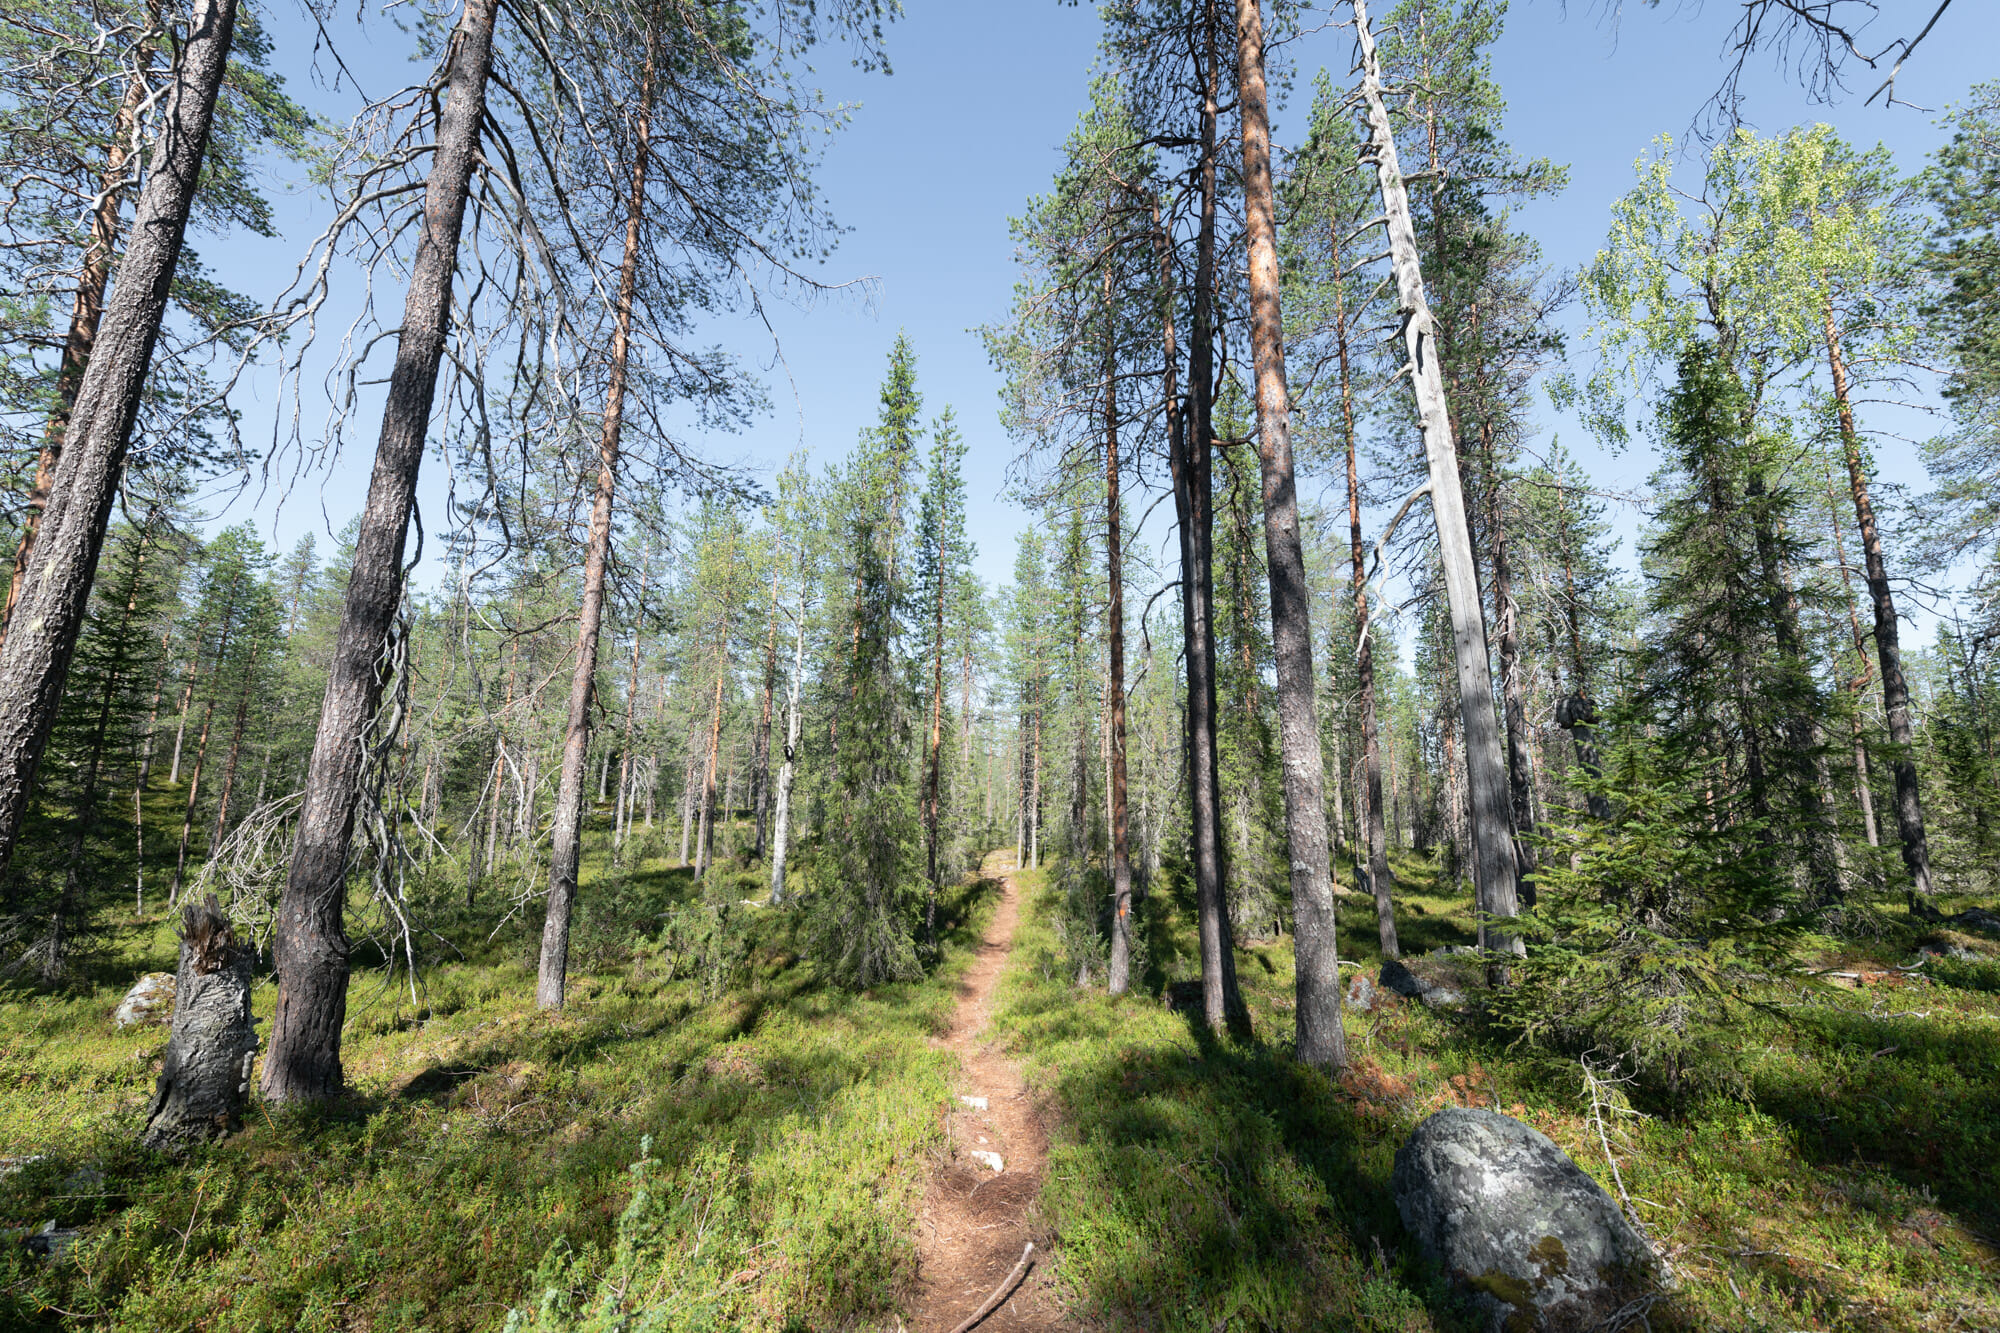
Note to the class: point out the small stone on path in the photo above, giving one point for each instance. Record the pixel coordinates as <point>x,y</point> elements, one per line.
<point>976,1103</point>
<point>992,1159</point>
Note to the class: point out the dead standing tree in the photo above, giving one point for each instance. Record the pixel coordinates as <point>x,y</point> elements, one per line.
<point>1495,870</point>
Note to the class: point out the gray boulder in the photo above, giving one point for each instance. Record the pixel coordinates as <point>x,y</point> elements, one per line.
<point>150,1001</point>
<point>1440,978</point>
<point>1515,1221</point>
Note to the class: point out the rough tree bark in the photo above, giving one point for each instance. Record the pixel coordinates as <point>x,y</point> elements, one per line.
<point>35,657</point>
<point>205,1075</point>
<point>566,832</point>
<point>1494,868</point>
<point>1888,650</point>
<point>310,941</point>
<point>1302,763</point>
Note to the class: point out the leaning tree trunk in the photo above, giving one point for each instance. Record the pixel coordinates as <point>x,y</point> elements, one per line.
<point>310,941</point>
<point>1302,764</point>
<point>1118,972</point>
<point>1888,651</point>
<point>566,832</point>
<point>205,1076</point>
<point>1494,867</point>
<point>34,660</point>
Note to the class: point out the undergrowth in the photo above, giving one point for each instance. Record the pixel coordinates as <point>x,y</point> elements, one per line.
<point>485,1155</point>
<point>1830,1167</point>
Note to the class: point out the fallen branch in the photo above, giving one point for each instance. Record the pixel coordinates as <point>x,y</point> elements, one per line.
<point>1001,1292</point>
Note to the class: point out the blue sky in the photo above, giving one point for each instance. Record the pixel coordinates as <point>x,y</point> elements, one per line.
<point>972,123</point>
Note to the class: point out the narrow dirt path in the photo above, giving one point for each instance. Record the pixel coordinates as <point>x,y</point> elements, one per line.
<point>976,1221</point>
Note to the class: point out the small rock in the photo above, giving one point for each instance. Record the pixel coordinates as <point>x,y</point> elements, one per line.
<point>985,1158</point>
<point>1514,1220</point>
<point>976,1103</point>
<point>1361,994</point>
<point>52,1240</point>
<point>149,1002</point>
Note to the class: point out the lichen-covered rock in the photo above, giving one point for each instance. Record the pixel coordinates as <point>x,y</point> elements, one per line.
<point>1361,994</point>
<point>150,1001</point>
<point>1519,1224</point>
<point>205,1074</point>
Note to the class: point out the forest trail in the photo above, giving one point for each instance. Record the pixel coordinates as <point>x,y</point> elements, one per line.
<point>975,1222</point>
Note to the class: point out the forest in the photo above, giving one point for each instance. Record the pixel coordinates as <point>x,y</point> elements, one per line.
<point>593,878</point>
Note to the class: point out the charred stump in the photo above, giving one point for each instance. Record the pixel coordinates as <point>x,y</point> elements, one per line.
<point>206,1073</point>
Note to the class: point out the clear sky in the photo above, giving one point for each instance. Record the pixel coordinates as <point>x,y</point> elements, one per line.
<point>972,123</point>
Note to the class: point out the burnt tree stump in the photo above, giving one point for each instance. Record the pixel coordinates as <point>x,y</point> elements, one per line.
<point>206,1073</point>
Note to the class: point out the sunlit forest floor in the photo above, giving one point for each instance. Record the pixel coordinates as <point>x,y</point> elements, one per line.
<point>1840,1177</point>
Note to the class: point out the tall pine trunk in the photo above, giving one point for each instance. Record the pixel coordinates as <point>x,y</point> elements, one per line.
<point>1118,972</point>
<point>55,590</point>
<point>1191,460</point>
<point>1302,764</point>
<point>1494,868</point>
<point>310,940</point>
<point>566,833</point>
<point>1888,650</point>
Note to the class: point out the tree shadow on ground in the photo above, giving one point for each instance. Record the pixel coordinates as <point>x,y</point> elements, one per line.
<point>1248,1192</point>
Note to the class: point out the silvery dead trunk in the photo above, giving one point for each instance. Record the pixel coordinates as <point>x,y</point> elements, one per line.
<point>1494,867</point>
<point>781,825</point>
<point>205,1077</point>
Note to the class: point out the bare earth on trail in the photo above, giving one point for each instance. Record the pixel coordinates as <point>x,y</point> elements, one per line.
<point>975,1222</point>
